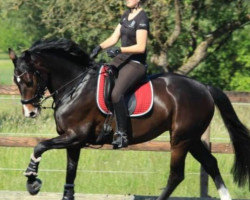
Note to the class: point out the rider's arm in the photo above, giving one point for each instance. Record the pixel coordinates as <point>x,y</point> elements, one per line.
<point>141,43</point>
<point>113,39</point>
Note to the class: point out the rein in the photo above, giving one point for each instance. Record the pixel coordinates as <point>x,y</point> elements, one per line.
<point>62,87</point>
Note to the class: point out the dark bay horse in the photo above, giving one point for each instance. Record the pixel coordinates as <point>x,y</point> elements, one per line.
<point>182,105</point>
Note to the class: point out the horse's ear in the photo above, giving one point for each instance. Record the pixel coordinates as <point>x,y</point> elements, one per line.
<point>12,55</point>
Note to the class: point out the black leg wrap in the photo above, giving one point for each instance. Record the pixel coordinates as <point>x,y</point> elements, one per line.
<point>32,169</point>
<point>68,192</point>
<point>33,184</point>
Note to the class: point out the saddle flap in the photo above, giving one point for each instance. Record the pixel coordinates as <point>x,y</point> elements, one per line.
<point>138,103</point>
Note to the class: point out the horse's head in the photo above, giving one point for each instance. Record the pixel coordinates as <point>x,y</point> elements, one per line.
<point>47,63</point>
<point>29,81</point>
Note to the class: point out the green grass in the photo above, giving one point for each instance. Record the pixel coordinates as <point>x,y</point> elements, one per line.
<point>6,72</point>
<point>112,172</point>
<point>4,55</point>
<point>13,122</point>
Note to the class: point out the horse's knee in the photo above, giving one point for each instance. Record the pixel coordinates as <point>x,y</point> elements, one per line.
<point>39,149</point>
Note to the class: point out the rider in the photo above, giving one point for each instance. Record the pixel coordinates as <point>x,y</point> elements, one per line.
<point>130,60</point>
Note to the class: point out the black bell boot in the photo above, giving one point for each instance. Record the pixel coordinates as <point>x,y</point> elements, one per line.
<point>68,192</point>
<point>120,138</point>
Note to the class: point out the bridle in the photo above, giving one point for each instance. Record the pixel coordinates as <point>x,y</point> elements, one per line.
<point>39,91</point>
<point>42,88</point>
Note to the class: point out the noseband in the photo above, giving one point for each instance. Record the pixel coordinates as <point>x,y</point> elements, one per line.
<point>39,91</point>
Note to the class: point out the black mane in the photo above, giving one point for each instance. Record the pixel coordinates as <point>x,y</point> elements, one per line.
<point>63,47</point>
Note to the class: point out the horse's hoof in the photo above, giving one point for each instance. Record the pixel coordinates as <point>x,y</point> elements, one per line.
<point>34,185</point>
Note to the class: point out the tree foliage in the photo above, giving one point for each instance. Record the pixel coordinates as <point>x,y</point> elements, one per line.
<point>21,23</point>
<point>230,68</point>
<point>206,39</point>
<point>88,22</point>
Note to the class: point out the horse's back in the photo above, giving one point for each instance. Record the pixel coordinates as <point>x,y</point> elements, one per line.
<point>179,86</point>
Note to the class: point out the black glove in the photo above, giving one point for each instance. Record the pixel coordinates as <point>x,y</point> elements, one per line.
<point>95,52</point>
<point>113,52</point>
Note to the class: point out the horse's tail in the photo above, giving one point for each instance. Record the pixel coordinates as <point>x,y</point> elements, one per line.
<point>239,134</point>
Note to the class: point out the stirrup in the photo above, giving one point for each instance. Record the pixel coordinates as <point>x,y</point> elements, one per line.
<point>120,140</point>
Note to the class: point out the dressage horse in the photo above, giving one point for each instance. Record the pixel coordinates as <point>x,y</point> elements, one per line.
<point>181,105</point>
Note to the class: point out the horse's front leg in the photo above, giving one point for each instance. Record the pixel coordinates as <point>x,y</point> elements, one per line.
<point>72,162</point>
<point>33,184</point>
<point>67,140</point>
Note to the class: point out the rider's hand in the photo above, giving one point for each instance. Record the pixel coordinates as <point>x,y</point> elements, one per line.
<point>114,51</point>
<point>95,52</point>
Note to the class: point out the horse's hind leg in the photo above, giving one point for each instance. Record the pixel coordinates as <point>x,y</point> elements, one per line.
<point>178,156</point>
<point>72,162</point>
<point>201,153</point>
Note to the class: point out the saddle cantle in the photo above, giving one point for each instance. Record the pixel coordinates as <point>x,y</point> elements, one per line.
<point>139,102</point>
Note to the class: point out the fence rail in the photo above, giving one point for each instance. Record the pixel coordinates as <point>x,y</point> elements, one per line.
<point>242,97</point>
<point>7,141</point>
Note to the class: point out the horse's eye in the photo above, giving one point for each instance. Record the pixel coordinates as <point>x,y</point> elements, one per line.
<point>29,84</point>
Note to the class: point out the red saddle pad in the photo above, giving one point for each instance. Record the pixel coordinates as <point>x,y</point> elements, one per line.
<point>143,96</point>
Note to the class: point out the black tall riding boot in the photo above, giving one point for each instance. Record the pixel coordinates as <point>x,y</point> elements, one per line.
<point>120,138</point>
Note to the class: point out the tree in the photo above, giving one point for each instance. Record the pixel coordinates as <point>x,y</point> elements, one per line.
<point>229,69</point>
<point>200,26</point>
<point>182,32</point>
<point>20,23</point>
<point>186,36</point>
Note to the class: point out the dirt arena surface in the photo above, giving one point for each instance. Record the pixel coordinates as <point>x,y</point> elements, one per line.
<point>13,195</point>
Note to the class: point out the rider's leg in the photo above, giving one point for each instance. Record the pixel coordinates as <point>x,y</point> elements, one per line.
<point>129,76</point>
<point>120,136</point>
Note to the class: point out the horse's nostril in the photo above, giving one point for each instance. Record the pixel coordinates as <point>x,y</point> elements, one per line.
<point>32,114</point>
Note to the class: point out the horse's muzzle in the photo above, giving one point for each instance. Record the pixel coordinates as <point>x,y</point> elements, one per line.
<point>30,111</point>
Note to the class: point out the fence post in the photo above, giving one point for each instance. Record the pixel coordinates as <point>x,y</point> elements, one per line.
<point>203,175</point>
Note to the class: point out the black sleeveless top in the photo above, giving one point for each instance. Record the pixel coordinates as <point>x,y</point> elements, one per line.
<point>128,32</point>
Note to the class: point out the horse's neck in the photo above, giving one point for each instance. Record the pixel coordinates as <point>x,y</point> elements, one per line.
<point>63,76</point>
